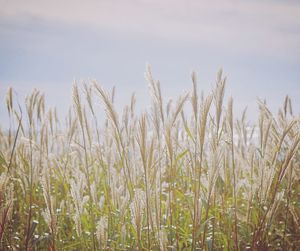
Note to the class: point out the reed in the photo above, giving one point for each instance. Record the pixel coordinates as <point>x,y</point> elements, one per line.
<point>163,179</point>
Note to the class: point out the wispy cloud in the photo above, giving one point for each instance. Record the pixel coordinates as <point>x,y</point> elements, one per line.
<point>268,27</point>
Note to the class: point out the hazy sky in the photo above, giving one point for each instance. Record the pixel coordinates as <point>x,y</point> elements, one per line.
<point>47,44</point>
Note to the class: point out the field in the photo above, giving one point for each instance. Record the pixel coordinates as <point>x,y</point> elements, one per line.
<point>165,179</point>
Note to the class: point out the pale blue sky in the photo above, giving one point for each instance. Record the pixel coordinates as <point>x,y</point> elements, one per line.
<point>47,44</point>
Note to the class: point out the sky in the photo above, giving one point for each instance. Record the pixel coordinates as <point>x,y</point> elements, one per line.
<point>49,44</point>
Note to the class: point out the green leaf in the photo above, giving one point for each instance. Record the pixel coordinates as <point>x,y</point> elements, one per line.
<point>189,133</point>
<point>2,160</point>
<point>202,226</point>
<point>181,155</point>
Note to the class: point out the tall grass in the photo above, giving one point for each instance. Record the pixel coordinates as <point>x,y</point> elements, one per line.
<point>164,179</point>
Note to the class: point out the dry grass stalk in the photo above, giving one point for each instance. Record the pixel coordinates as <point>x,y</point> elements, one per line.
<point>164,179</point>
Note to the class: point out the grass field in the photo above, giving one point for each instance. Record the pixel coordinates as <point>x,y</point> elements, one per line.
<point>164,179</point>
